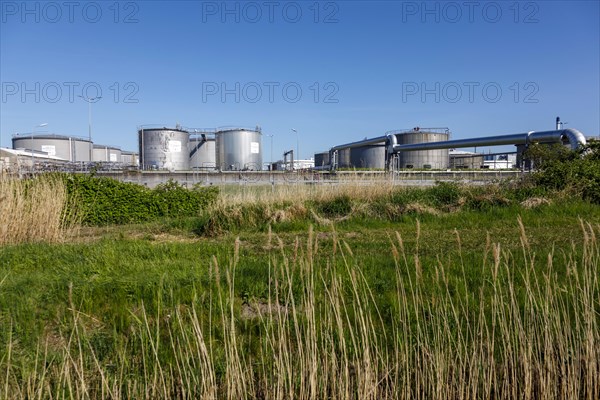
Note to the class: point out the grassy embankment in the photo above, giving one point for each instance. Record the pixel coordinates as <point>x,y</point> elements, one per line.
<point>308,292</point>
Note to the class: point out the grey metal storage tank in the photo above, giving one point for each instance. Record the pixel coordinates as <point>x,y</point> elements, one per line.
<point>104,153</point>
<point>369,156</point>
<point>129,158</point>
<point>69,148</point>
<point>322,159</point>
<point>239,149</point>
<point>164,149</point>
<point>423,159</point>
<point>343,158</point>
<point>202,153</point>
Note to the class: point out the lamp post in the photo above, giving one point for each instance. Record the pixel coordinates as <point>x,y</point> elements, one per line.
<point>297,147</point>
<point>90,100</point>
<point>32,132</point>
<point>271,159</point>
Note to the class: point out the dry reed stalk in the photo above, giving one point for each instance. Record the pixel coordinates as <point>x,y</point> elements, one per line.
<point>354,188</point>
<point>35,210</point>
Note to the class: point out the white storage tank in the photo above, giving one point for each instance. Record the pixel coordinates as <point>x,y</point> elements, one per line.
<point>239,149</point>
<point>69,148</point>
<point>104,153</point>
<point>164,148</point>
<point>130,158</point>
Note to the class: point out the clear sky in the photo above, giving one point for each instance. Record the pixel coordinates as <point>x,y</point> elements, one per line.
<point>334,71</point>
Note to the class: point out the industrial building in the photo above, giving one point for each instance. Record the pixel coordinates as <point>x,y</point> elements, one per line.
<point>459,159</point>
<point>428,148</point>
<point>322,160</point>
<point>66,151</point>
<point>500,161</point>
<point>287,165</point>
<point>14,161</point>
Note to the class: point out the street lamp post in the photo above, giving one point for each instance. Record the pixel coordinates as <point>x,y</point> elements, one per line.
<point>90,100</point>
<point>32,132</point>
<point>271,160</point>
<point>297,147</point>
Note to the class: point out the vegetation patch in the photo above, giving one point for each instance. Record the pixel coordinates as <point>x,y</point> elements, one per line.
<point>558,168</point>
<point>34,210</point>
<point>107,201</point>
<point>328,314</point>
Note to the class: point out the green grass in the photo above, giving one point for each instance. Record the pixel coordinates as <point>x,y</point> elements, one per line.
<point>119,315</point>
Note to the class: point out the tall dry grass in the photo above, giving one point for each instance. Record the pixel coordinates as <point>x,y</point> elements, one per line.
<point>298,191</point>
<point>522,333</point>
<point>35,210</point>
<point>256,206</point>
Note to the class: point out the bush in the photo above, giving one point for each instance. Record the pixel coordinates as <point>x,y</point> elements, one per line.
<point>176,201</point>
<point>108,201</point>
<point>441,195</point>
<point>337,207</point>
<point>444,194</point>
<point>576,171</point>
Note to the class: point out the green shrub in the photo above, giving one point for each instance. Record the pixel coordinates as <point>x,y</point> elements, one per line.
<point>405,196</point>
<point>577,171</point>
<point>444,194</point>
<point>337,207</point>
<point>108,201</point>
<point>176,201</point>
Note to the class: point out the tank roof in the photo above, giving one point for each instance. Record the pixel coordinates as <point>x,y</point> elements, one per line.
<point>102,146</point>
<point>417,130</point>
<point>238,128</point>
<point>53,136</point>
<point>160,128</point>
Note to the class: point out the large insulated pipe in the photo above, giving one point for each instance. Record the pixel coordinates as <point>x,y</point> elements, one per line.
<point>573,136</point>
<point>333,155</point>
<point>360,143</point>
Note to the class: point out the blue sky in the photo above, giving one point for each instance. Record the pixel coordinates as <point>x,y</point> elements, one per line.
<point>363,68</point>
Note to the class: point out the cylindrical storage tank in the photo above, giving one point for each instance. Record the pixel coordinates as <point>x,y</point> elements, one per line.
<point>202,153</point>
<point>322,159</point>
<point>343,158</point>
<point>164,149</point>
<point>129,158</point>
<point>370,156</point>
<point>239,150</point>
<point>69,148</point>
<point>106,154</point>
<point>423,159</point>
